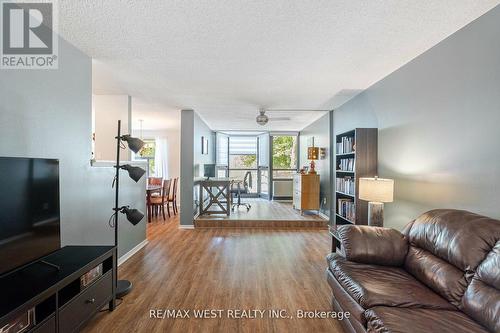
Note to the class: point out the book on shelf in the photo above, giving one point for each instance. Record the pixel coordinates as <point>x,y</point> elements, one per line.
<point>346,164</point>
<point>347,209</point>
<point>346,145</point>
<point>89,277</point>
<point>346,185</point>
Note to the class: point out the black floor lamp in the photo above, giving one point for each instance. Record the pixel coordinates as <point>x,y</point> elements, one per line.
<point>134,216</point>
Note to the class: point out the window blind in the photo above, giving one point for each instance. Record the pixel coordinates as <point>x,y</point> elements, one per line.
<point>242,145</point>
<point>222,142</point>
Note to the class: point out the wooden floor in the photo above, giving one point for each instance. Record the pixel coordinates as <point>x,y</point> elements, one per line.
<point>224,269</point>
<point>263,213</point>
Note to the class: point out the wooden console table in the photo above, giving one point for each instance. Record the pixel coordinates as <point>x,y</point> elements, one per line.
<point>219,195</point>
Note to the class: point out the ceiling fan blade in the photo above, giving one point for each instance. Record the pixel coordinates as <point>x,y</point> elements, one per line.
<point>279,118</point>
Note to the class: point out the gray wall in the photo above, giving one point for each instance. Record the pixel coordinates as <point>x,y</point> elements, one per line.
<point>438,122</point>
<point>47,113</point>
<point>201,129</point>
<point>187,171</point>
<point>320,130</point>
<point>192,160</point>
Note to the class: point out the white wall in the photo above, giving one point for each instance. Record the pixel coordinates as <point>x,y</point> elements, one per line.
<point>47,114</point>
<point>438,120</point>
<point>173,141</point>
<point>108,109</point>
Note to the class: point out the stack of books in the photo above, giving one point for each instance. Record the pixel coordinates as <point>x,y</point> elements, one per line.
<point>346,164</point>
<point>346,185</point>
<point>346,145</point>
<point>347,209</point>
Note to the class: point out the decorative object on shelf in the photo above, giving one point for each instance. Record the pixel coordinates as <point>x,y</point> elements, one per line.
<point>376,191</point>
<point>134,216</point>
<point>20,324</point>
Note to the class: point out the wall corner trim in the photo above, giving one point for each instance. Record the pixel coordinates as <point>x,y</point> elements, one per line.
<point>323,215</point>
<point>133,251</point>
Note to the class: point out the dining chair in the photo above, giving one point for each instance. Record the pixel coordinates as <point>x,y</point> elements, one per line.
<point>155,180</point>
<point>162,200</point>
<point>173,196</point>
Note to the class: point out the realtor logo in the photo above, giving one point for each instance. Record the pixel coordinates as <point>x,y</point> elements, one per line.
<point>28,34</point>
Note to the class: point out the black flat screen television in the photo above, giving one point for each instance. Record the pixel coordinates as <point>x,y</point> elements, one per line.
<point>29,210</point>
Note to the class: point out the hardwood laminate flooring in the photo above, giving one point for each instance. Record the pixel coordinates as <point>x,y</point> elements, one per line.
<point>224,269</point>
<point>264,213</point>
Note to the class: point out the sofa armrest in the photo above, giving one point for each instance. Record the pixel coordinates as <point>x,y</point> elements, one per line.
<point>373,245</point>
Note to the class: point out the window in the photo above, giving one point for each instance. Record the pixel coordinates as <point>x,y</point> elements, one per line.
<point>243,158</point>
<point>284,156</point>
<point>148,153</point>
<point>243,152</point>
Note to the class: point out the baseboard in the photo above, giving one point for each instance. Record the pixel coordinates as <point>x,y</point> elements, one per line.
<point>282,198</point>
<point>181,226</point>
<point>130,253</point>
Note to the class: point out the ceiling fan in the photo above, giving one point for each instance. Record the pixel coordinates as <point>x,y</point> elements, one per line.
<point>262,119</point>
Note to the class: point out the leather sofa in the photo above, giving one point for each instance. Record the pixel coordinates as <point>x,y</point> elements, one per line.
<point>441,274</point>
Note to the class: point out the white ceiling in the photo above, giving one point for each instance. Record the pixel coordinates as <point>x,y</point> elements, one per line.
<point>227,58</point>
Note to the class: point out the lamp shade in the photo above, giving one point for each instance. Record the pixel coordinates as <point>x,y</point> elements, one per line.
<point>134,172</point>
<point>313,153</point>
<point>376,189</point>
<point>134,144</point>
<point>134,216</point>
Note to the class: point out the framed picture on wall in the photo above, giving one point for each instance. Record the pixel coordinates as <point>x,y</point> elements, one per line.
<point>204,145</point>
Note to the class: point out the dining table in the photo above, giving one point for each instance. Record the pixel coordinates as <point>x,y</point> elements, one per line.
<point>150,189</point>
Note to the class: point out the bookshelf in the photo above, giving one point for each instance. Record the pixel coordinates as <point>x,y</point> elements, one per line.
<point>355,157</point>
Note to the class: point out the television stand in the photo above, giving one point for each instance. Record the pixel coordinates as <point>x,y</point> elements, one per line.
<point>55,300</point>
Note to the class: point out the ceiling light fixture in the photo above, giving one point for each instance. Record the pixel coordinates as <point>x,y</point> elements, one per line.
<point>262,119</point>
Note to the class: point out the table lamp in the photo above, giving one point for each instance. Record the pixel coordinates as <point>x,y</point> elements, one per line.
<point>313,155</point>
<point>376,191</point>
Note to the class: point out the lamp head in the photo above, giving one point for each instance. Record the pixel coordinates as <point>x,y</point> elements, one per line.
<point>134,172</point>
<point>134,144</point>
<point>376,189</point>
<point>313,153</point>
<point>133,215</point>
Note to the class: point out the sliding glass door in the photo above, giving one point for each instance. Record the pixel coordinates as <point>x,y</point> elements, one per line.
<point>243,160</point>
<point>284,164</point>
<point>271,161</point>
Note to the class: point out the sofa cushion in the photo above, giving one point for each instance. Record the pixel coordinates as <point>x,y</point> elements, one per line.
<point>482,297</point>
<point>383,319</point>
<point>442,277</point>
<point>446,246</point>
<point>373,245</point>
<point>372,285</point>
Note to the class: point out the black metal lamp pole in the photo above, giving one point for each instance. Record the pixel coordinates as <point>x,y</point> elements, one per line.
<point>122,287</point>
<point>134,216</point>
<point>117,180</point>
